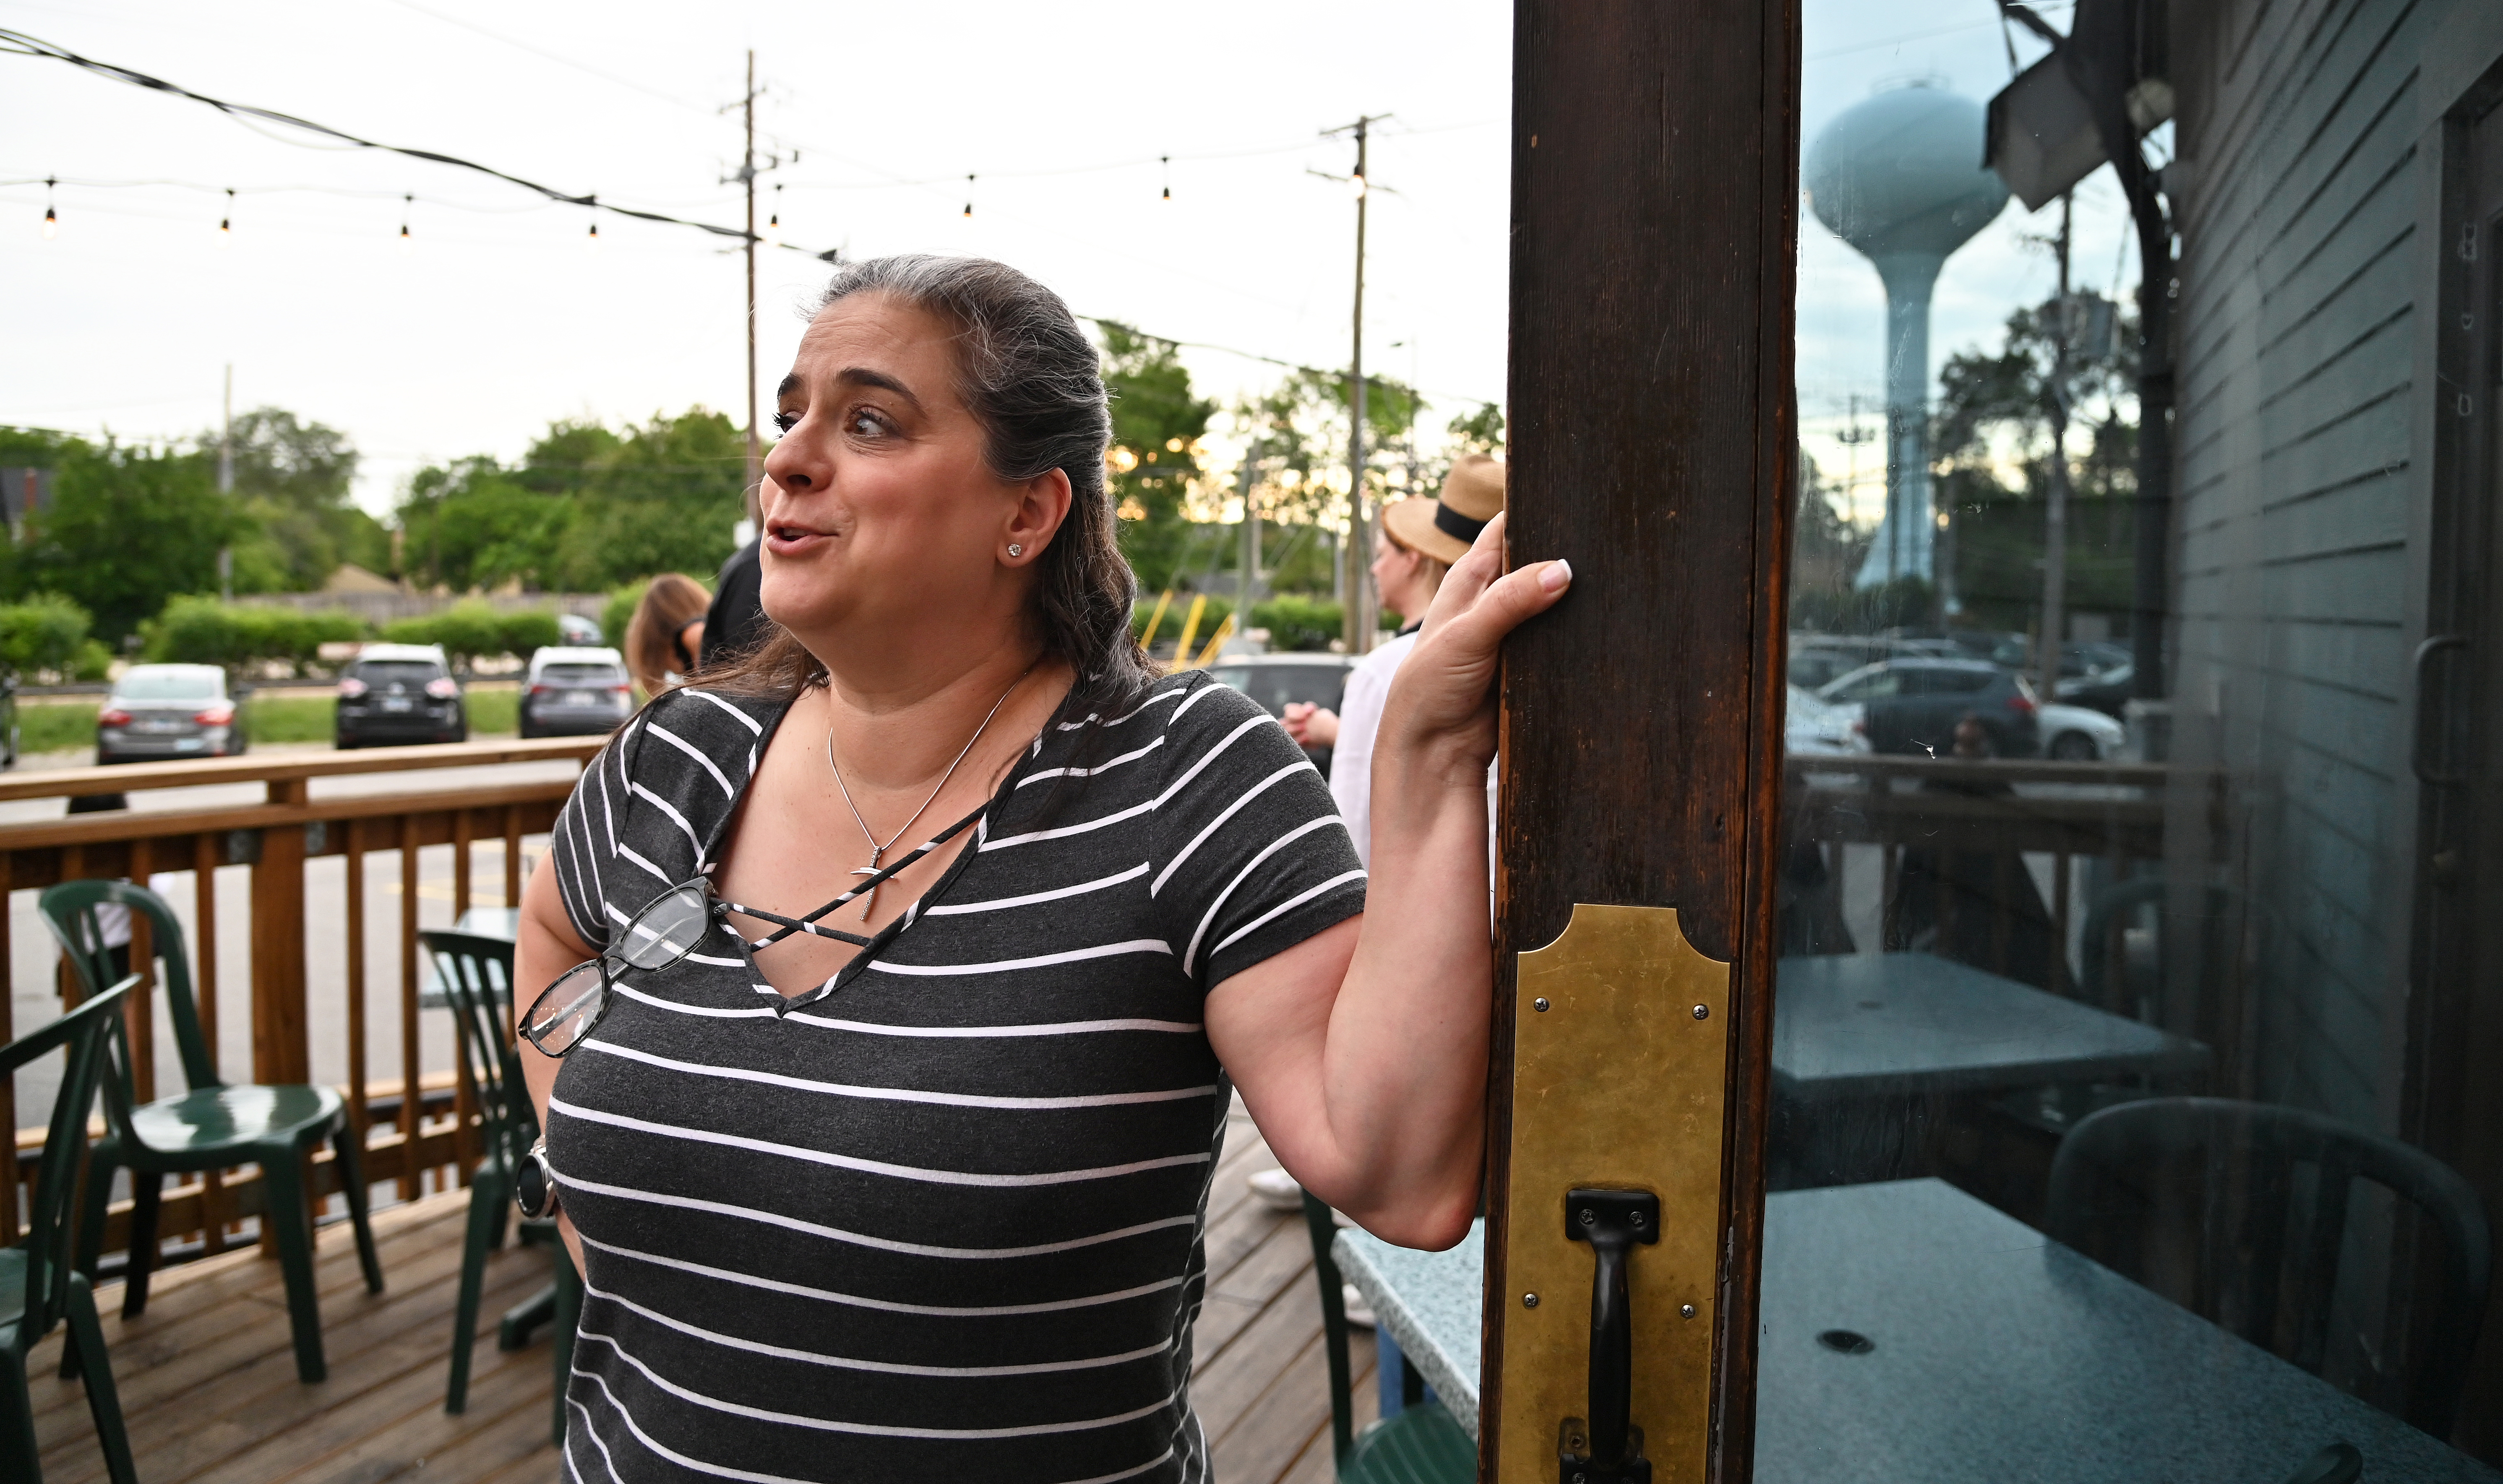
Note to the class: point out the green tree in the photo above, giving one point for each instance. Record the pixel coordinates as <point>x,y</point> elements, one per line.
<point>473,523</point>
<point>129,528</point>
<point>1993,421</point>
<point>293,479</point>
<point>1156,428</point>
<point>658,497</point>
<point>586,508</point>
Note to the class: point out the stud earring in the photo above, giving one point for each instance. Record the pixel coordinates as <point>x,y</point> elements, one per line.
<point>1015,551</point>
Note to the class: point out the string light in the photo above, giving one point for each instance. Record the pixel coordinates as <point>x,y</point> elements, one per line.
<point>1165,161</point>
<point>1355,183</point>
<point>594,234</point>
<point>406,204</point>
<point>774,223</point>
<point>225,223</point>
<point>968,198</point>
<point>52,221</point>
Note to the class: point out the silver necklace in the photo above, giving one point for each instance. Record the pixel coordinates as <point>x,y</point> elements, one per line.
<point>877,851</point>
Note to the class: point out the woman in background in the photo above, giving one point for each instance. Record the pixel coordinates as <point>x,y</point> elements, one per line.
<point>666,633</point>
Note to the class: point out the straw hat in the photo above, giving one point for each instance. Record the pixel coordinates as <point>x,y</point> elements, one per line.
<point>1444,528</point>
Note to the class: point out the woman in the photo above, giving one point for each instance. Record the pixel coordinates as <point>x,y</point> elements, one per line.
<point>915,1190</point>
<point>666,635</point>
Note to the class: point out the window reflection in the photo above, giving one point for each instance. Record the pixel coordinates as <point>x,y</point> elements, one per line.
<point>2138,1071</point>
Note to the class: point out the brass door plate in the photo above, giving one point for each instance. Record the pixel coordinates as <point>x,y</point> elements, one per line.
<point>1620,1049</point>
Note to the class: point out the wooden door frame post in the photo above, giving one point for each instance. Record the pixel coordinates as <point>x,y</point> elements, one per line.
<point>1653,439</point>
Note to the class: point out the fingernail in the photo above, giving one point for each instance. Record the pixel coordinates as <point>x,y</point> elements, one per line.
<point>1558,572</point>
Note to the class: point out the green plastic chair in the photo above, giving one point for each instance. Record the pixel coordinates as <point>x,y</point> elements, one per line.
<point>39,1284</point>
<point>211,1125</point>
<point>1423,1443</point>
<point>477,978</point>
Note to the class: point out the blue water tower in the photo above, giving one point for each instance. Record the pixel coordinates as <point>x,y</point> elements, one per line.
<point>1900,178</point>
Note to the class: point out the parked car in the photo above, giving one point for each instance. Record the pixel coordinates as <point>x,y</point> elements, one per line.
<point>2106,685</point>
<point>2078,733</point>
<point>163,711</point>
<point>575,630</point>
<point>1911,706</point>
<point>399,692</point>
<point>575,692</point>
<point>1274,679</point>
<point>1815,727</point>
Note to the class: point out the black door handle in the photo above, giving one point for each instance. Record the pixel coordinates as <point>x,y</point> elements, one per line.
<point>2426,711</point>
<point>1608,1448</point>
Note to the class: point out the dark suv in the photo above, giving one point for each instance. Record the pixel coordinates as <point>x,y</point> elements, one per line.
<point>1911,706</point>
<point>399,692</point>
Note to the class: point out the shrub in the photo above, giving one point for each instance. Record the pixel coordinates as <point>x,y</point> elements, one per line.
<point>201,631</point>
<point>620,612</point>
<point>1299,622</point>
<point>472,629</point>
<point>43,634</point>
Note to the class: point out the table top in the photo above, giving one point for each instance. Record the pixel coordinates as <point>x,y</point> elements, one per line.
<point>1994,1354</point>
<point>1862,1024</point>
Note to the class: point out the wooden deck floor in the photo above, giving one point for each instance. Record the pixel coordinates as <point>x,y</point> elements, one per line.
<point>209,1390</point>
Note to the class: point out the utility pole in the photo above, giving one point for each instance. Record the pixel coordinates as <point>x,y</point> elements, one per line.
<point>749,168</point>
<point>2055,534</point>
<point>226,488</point>
<point>1363,604</point>
<point>1248,577</point>
<point>754,497</point>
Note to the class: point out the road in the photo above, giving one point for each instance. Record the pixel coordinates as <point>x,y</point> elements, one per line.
<point>33,960</point>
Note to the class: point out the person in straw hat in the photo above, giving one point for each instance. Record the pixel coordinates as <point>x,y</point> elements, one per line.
<point>1420,540</point>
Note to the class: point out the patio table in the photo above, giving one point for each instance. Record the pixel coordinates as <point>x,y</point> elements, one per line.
<point>1993,1353</point>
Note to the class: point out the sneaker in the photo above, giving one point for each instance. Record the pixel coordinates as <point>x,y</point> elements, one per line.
<point>1277,1190</point>
<point>1358,1312</point>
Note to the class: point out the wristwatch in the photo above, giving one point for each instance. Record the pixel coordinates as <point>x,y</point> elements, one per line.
<point>535,1183</point>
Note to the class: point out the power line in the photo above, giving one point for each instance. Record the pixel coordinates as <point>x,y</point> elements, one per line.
<point>24,45</point>
<point>546,56</point>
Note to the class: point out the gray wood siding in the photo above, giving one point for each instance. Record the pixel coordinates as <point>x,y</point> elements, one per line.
<point>2301,310</point>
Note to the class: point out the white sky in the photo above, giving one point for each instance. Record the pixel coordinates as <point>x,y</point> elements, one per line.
<point>500,316</point>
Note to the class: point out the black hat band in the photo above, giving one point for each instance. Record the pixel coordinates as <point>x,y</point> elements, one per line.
<point>1450,522</point>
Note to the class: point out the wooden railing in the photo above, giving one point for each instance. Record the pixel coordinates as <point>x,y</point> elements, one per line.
<point>2115,812</point>
<point>415,1125</point>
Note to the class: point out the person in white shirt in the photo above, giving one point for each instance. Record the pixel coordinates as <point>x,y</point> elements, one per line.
<point>1420,541</point>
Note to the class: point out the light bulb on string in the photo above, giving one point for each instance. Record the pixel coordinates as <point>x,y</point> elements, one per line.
<point>968,198</point>
<point>594,234</point>
<point>1166,161</point>
<point>774,223</point>
<point>52,221</point>
<point>225,223</point>
<point>406,202</point>
<point>1355,185</point>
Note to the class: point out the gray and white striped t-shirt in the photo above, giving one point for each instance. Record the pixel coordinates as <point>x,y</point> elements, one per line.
<point>941,1217</point>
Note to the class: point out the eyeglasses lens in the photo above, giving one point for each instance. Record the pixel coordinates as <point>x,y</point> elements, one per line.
<point>564,1011</point>
<point>665,932</point>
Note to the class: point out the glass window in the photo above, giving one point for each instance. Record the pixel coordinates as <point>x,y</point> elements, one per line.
<point>381,674</point>
<point>599,675</point>
<point>2146,1107</point>
<point>167,683</point>
<point>1319,683</point>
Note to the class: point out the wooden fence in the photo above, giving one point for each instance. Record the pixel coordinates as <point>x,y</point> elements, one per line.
<point>2113,812</point>
<point>411,1123</point>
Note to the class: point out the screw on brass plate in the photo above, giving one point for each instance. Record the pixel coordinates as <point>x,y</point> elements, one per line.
<point>1530,1300</point>
<point>1589,1218</point>
<point>1686,1311</point>
<point>1702,1012</point>
<point>1539,1005</point>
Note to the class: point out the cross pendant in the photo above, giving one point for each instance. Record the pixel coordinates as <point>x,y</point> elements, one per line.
<point>871,870</point>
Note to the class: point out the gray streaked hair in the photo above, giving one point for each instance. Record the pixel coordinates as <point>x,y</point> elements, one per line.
<point>1031,377</point>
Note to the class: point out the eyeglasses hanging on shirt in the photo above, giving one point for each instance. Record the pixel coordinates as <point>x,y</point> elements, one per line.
<point>671,925</point>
